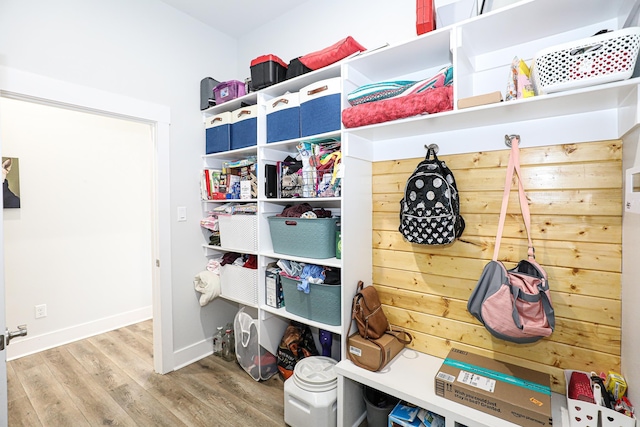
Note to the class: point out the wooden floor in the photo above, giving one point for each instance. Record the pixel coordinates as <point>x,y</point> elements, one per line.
<point>109,380</point>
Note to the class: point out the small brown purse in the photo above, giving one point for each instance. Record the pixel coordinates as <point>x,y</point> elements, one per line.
<point>372,323</point>
<point>367,312</point>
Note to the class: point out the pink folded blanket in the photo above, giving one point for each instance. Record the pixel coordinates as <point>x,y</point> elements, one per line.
<point>427,102</point>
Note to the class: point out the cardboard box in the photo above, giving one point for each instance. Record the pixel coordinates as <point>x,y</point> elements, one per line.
<point>273,293</point>
<point>513,393</point>
<point>368,353</point>
<point>484,99</point>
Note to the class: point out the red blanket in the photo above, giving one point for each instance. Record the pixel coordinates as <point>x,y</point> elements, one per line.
<point>427,102</point>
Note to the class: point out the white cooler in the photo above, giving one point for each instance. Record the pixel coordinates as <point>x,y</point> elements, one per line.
<point>310,394</point>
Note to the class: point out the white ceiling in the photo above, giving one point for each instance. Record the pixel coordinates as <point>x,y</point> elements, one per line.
<point>234,17</point>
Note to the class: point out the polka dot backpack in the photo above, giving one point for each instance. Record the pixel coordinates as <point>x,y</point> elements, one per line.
<point>430,209</point>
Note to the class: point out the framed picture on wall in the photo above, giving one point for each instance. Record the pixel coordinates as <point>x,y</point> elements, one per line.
<point>10,182</point>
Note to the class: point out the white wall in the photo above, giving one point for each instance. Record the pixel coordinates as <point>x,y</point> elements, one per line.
<point>310,27</point>
<point>81,241</point>
<point>145,50</point>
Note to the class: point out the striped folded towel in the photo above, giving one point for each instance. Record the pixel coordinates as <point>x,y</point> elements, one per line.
<point>393,89</point>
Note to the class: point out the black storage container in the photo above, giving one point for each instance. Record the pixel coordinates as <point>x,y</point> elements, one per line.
<point>267,70</point>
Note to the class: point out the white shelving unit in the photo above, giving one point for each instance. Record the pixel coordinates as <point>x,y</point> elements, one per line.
<point>481,57</point>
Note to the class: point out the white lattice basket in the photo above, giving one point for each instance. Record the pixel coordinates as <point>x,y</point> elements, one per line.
<point>595,60</point>
<point>585,414</point>
<point>239,284</point>
<point>238,232</point>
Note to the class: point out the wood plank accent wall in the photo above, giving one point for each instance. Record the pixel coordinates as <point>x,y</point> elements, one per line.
<point>575,195</point>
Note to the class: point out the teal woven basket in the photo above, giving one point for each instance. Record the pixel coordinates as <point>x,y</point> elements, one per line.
<point>311,238</point>
<point>321,304</point>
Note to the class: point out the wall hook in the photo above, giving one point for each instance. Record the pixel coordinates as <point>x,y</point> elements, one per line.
<point>509,138</point>
<point>433,147</point>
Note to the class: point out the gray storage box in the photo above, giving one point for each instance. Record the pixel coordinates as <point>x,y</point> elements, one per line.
<point>311,238</point>
<point>321,304</point>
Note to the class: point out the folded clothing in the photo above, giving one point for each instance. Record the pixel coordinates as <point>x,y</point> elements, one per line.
<point>426,102</point>
<point>387,90</point>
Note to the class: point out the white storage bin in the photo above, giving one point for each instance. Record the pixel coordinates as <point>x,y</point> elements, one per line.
<point>283,118</point>
<point>590,61</point>
<point>310,394</point>
<point>585,414</point>
<point>239,284</point>
<point>254,359</point>
<point>238,232</point>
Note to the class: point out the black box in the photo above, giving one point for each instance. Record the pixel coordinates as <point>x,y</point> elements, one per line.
<point>267,70</point>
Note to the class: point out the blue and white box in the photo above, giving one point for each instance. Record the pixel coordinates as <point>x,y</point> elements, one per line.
<point>218,133</point>
<point>320,107</point>
<point>283,118</point>
<point>244,127</point>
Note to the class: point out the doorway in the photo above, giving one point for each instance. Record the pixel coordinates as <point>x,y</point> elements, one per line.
<point>78,252</point>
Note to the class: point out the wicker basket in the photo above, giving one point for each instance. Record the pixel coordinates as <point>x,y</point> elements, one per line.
<point>321,304</point>
<point>595,60</point>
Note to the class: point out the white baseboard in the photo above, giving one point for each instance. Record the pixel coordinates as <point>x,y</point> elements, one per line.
<point>25,346</point>
<point>192,353</point>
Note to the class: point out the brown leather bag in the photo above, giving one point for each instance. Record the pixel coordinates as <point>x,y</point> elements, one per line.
<point>372,323</point>
<point>367,312</point>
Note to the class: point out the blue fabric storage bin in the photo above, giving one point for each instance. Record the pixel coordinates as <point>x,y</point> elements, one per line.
<point>321,304</point>
<point>283,118</point>
<point>320,107</point>
<point>244,127</point>
<point>218,133</point>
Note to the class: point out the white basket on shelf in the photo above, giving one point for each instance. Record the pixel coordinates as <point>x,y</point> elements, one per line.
<point>238,232</point>
<point>239,284</point>
<point>586,62</point>
<point>585,414</point>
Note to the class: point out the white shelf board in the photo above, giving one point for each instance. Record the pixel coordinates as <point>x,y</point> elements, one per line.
<point>329,262</point>
<point>410,376</point>
<point>282,312</point>
<point>595,98</point>
<point>250,98</point>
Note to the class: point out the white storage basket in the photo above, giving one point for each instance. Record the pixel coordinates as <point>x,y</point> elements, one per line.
<point>238,232</point>
<point>595,60</point>
<point>239,284</point>
<point>585,414</point>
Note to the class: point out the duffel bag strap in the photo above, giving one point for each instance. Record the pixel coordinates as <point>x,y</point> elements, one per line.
<point>514,166</point>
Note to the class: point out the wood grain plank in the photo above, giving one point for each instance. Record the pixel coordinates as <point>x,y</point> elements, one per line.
<point>557,202</point>
<point>97,364</point>
<point>14,387</point>
<point>544,351</point>
<point>20,412</point>
<point>86,392</point>
<point>215,383</point>
<point>538,178</point>
<point>49,399</point>
<point>143,408</point>
<point>126,359</point>
<point>596,151</point>
<point>594,229</point>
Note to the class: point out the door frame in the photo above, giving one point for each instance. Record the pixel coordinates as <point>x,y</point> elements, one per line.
<point>35,88</point>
